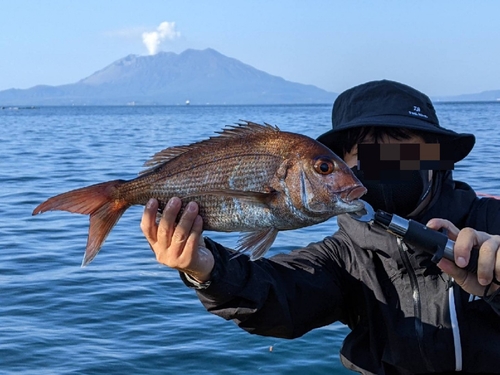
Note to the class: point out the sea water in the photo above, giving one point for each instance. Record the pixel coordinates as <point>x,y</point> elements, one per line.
<point>125,313</point>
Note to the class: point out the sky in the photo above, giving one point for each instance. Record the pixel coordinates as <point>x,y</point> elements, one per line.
<point>441,47</point>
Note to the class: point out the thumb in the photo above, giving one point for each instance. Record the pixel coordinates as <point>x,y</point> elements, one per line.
<point>459,274</point>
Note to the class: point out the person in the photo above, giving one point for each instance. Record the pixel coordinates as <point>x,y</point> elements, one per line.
<point>406,314</point>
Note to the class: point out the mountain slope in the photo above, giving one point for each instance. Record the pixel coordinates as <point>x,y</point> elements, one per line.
<point>492,95</point>
<point>167,78</point>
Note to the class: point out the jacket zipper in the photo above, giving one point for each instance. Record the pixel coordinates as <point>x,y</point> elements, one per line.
<point>417,306</point>
<point>455,328</point>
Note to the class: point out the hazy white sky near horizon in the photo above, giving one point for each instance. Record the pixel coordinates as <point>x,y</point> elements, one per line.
<point>445,47</point>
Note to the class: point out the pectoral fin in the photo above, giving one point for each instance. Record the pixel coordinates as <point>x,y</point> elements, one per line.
<point>257,243</point>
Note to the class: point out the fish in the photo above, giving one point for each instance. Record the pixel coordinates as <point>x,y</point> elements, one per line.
<point>249,178</point>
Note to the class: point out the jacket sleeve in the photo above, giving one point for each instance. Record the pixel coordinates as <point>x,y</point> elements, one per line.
<point>283,296</point>
<point>494,301</point>
<point>485,215</point>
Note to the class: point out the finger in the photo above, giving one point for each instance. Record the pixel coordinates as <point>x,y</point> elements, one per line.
<point>487,261</point>
<point>183,229</point>
<point>201,242</point>
<point>166,227</point>
<point>438,224</point>
<point>196,259</point>
<point>148,221</point>
<point>193,240</point>
<point>466,240</point>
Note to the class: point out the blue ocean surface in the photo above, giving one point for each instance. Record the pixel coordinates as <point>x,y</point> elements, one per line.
<point>125,313</point>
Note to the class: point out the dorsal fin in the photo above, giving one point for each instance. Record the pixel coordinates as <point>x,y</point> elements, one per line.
<point>240,130</point>
<point>163,156</point>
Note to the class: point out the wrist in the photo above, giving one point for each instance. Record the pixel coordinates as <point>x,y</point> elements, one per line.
<point>204,265</point>
<point>194,283</point>
<point>199,278</point>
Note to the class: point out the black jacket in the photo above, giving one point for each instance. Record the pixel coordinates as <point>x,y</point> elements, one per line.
<point>406,316</point>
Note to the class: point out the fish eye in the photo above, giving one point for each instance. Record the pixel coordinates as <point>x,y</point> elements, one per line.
<point>324,166</point>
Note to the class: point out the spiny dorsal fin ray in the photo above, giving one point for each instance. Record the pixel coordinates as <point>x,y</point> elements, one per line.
<point>240,130</point>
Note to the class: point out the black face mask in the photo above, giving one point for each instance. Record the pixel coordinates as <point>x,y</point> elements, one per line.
<point>396,196</point>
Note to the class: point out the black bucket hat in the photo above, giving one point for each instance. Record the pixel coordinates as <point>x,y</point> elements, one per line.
<point>392,104</point>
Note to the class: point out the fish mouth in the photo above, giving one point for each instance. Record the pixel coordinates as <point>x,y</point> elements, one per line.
<point>351,194</point>
<point>351,197</point>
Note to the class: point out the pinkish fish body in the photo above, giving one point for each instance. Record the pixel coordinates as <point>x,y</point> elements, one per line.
<point>251,178</point>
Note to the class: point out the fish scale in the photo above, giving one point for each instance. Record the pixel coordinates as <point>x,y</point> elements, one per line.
<point>242,176</point>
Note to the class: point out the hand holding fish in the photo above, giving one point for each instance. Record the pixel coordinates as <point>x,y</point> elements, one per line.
<point>488,262</point>
<point>179,246</point>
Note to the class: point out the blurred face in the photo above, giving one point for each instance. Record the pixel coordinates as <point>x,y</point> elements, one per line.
<point>394,178</point>
<point>351,157</point>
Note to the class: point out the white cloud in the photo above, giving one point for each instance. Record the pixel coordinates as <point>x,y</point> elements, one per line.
<point>153,39</point>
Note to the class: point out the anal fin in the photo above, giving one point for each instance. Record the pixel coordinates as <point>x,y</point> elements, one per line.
<point>257,243</point>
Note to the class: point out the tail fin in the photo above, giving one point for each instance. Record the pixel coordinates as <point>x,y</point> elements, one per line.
<point>100,201</point>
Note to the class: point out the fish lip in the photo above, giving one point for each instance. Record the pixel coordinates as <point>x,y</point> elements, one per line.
<point>352,193</point>
<point>350,197</point>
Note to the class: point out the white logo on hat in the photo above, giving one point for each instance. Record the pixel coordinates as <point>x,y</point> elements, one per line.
<point>416,112</point>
